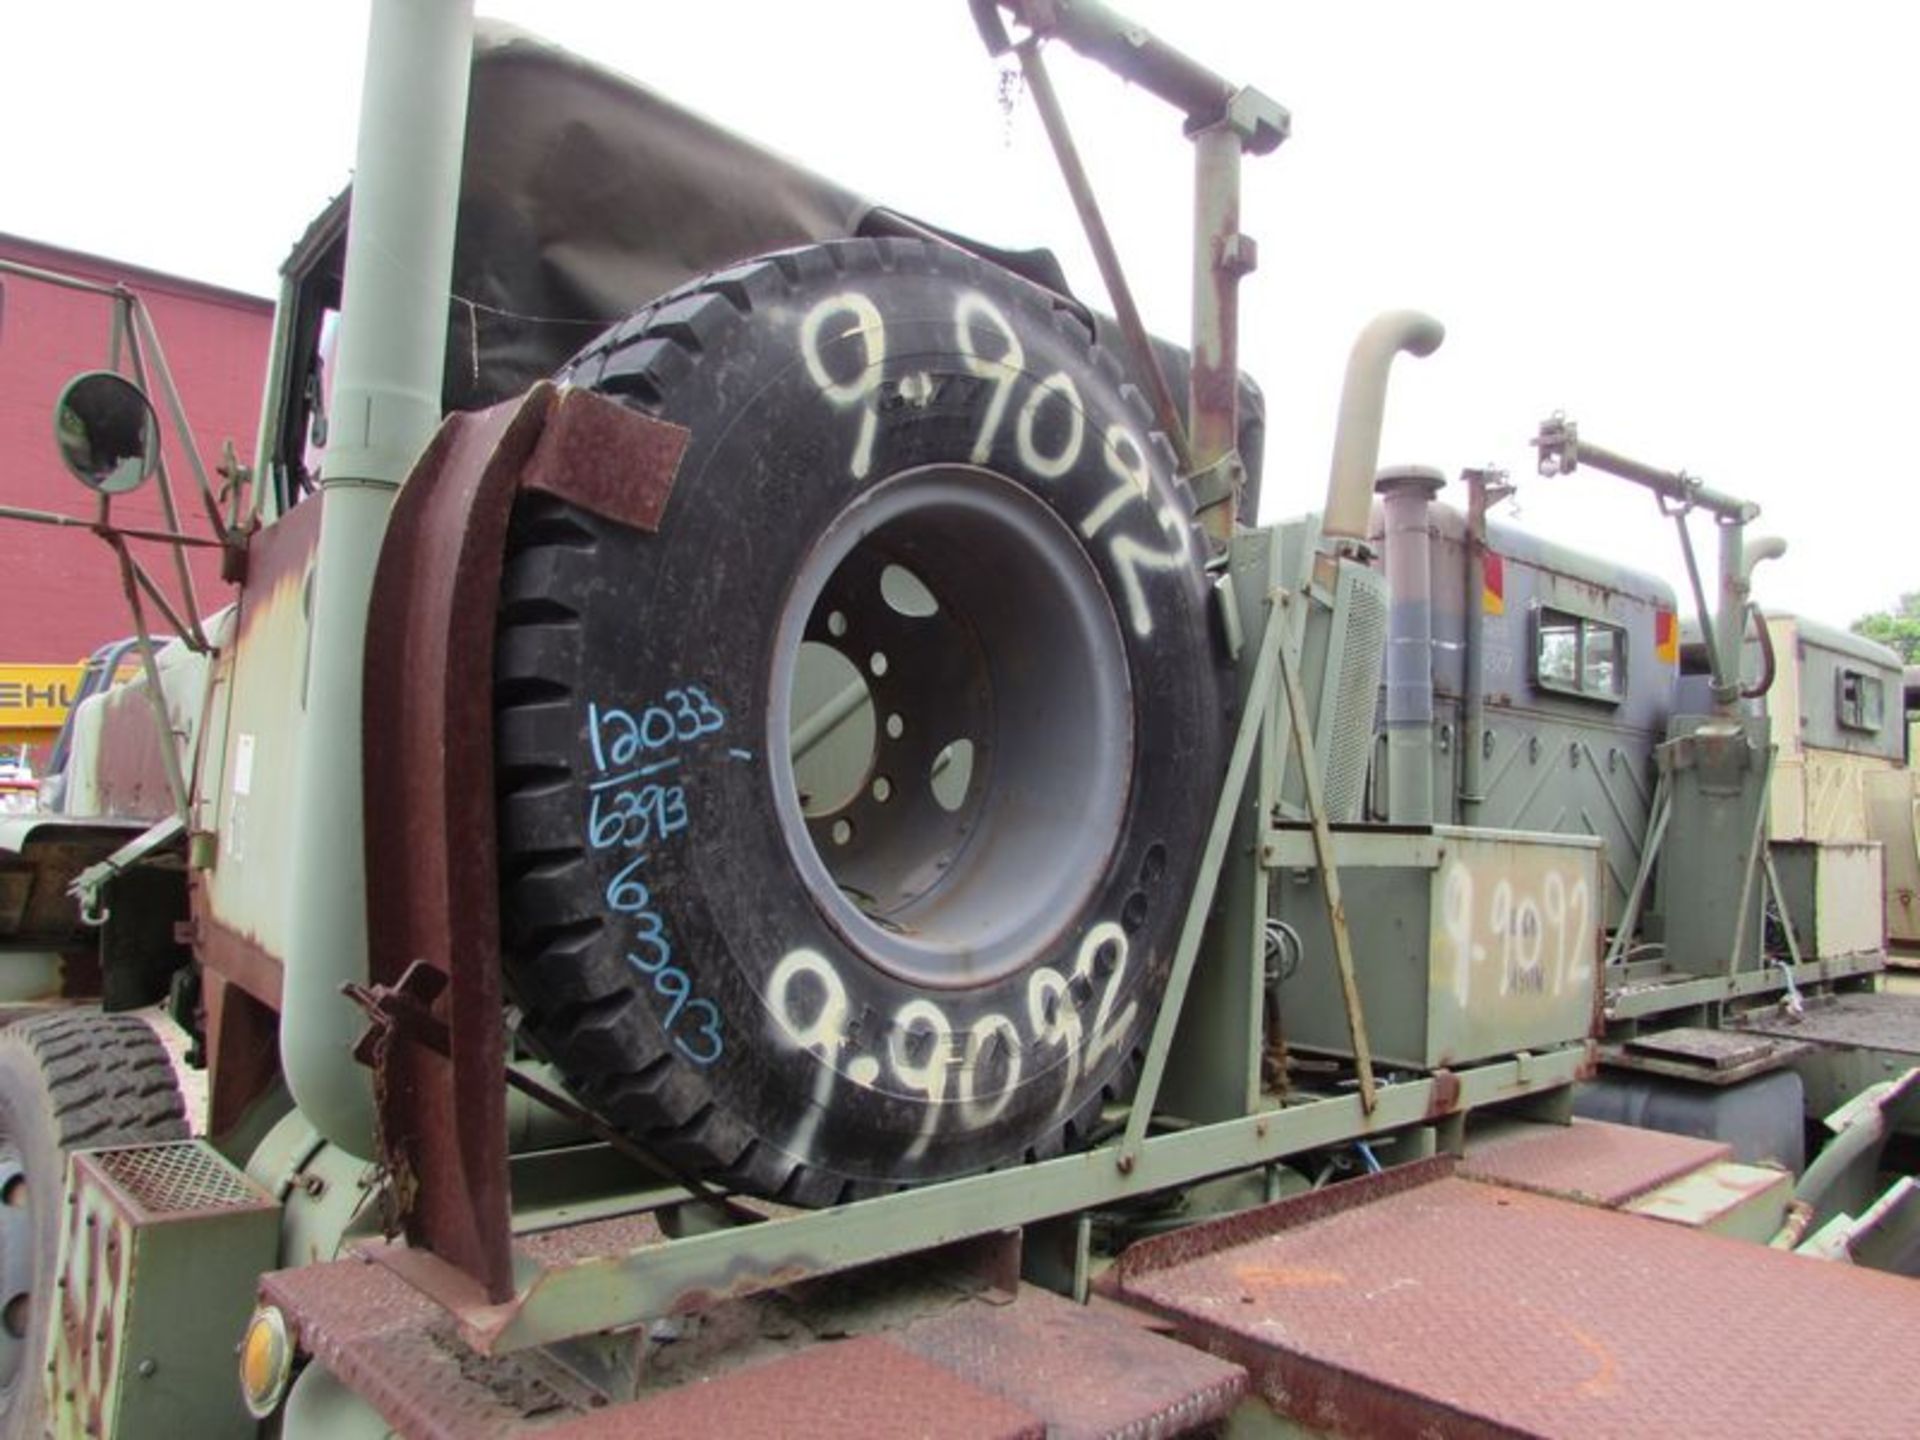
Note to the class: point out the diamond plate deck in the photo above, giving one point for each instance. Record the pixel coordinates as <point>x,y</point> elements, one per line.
<point>1084,1371</point>
<point>1879,1021</point>
<point>1590,1160</point>
<point>863,1386</point>
<point>1416,1304</point>
<point>936,1362</point>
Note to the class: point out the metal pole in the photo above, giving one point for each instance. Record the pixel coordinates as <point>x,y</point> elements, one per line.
<point>1485,487</point>
<point>1330,883</point>
<point>386,403</point>
<point>1221,256</point>
<point>1100,241</point>
<point>1730,622</point>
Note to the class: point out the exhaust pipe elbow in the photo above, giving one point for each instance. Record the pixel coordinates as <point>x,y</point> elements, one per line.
<point>1363,406</point>
<point>1767,547</point>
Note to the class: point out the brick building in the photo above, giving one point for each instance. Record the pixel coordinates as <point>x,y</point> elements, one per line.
<point>60,592</point>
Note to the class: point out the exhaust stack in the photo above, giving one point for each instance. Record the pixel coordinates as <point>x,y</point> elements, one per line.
<point>1408,491</point>
<point>1363,406</point>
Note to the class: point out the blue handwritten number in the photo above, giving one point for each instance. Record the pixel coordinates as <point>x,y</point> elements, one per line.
<point>626,894</point>
<point>622,815</point>
<point>710,1032</point>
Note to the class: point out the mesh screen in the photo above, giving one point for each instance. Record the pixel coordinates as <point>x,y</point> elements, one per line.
<point>188,1175</point>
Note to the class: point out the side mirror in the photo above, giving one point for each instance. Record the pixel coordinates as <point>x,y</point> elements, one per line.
<point>106,431</point>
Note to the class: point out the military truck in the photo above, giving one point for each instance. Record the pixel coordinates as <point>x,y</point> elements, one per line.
<point>800,865</point>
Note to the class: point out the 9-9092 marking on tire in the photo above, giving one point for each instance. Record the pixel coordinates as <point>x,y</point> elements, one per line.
<point>1122,450</point>
<point>710,964</point>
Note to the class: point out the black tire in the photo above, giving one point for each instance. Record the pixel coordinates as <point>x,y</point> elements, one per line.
<point>69,1080</point>
<point>818,996</point>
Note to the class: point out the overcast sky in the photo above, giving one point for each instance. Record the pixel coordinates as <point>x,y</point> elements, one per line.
<point>1692,227</point>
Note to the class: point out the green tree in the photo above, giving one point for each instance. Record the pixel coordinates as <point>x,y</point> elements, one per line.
<point>1898,628</point>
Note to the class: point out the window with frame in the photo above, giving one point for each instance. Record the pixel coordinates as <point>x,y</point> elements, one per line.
<point>1860,703</point>
<point>1578,655</point>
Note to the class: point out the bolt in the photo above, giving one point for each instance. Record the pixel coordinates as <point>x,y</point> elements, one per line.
<point>314,1185</point>
<point>145,1369</point>
<point>1125,1162</point>
<point>1238,255</point>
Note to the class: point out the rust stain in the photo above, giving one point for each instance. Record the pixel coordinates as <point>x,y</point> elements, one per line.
<point>1606,1370</point>
<point>1289,1277</point>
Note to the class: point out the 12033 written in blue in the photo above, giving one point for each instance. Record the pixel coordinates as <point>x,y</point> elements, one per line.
<point>635,797</point>
<point>636,800</point>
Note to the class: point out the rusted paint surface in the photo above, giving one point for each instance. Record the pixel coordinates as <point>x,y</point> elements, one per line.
<point>1445,1097</point>
<point>90,1303</point>
<point>1181,1247</point>
<point>1083,1371</point>
<point>432,883</point>
<point>245,783</point>
<point>131,770</point>
<point>1876,1021</point>
<point>1465,1309</point>
<point>607,459</point>
<point>243,1050</point>
<point>239,1012</point>
<point>241,959</point>
<point>400,1351</point>
<point>1589,1161</point>
<point>397,1349</point>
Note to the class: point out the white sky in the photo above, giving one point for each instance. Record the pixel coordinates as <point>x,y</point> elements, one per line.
<point>1692,227</point>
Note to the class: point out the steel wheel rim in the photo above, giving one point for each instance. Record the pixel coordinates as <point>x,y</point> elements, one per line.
<point>1023,659</point>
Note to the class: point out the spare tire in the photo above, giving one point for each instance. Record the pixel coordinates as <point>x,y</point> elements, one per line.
<point>848,820</point>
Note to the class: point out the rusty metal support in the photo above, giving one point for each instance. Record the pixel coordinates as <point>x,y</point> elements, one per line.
<point>433,897</point>
<point>1221,257</point>
<point>1100,240</point>
<point>1562,451</point>
<point>1329,881</point>
<point>1136,54</point>
<point>427,729</point>
<point>1225,122</point>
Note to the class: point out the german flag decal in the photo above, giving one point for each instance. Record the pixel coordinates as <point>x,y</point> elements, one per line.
<point>1493,591</point>
<point>1666,635</point>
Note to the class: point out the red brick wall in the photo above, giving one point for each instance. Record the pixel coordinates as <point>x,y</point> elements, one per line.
<point>60,592</point>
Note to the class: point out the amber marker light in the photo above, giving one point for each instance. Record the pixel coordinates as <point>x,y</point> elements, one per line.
<point>266,1361</point>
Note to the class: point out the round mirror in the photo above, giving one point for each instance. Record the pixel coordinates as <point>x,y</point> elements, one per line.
<point>106,432</point>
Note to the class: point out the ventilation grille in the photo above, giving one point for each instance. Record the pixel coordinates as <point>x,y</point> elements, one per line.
<point>1355,652</point>
<point>170,1179</point>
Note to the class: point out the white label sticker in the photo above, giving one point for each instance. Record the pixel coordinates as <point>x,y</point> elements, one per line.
<point>243,765</point>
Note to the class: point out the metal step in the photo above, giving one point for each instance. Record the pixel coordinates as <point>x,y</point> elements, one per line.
<point>927,1361</point>
<point>1418,1302</point>
<point>1592,1161</point>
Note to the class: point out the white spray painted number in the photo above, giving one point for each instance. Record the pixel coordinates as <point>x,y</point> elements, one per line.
<point>990,348</point>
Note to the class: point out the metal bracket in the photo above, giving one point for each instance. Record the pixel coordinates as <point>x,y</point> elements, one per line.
<point>1259,699</point>
<point>87,885</point>
<point>1329,881</point>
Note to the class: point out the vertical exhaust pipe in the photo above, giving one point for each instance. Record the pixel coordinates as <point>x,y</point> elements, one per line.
<point>386,404</point>
<point>1408,491</point>
<point>1363,407</point>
